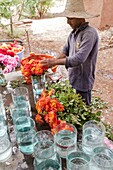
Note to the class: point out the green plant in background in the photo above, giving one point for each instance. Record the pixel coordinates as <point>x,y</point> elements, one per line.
<point>36,7</point>
<point>7,9</point>
<point>43,6</point>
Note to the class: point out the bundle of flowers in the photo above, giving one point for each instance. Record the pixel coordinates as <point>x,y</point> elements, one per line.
<point>31,66</point>
<point>10,49</point>
<point>47,108</point>
<point>8,63</point>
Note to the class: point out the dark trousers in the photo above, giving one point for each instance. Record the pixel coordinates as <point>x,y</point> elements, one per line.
<point>86,96</point>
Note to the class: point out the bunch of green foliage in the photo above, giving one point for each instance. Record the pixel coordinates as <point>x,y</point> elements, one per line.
<point>7,7</point>
<point>75,110</point>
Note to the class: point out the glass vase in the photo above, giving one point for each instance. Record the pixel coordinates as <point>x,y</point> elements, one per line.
<point>38,84</point>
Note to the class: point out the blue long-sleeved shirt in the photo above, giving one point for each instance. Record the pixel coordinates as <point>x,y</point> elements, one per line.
<point>81,50</point>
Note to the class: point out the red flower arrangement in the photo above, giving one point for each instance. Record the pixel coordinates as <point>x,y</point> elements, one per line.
<point>47,108</point>
<point>10,49</point>
<point>31,66</point>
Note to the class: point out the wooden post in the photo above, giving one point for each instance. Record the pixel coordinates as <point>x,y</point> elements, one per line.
<point>11,25</point>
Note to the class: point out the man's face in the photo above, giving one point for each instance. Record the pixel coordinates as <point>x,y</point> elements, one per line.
<point>74,22</point>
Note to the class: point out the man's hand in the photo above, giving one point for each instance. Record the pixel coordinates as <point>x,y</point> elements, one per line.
<point>48,62</point>
<point>53,62</point>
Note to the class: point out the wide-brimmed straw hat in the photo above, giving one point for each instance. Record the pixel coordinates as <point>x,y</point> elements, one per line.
<point>74,9</point>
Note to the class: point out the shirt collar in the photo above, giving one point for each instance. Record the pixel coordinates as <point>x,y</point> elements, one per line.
<point>82,27</point>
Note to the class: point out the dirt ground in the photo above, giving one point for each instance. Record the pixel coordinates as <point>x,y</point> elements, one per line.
<point>51,34</point>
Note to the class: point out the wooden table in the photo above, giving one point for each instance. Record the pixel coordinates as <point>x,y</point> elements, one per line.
<point>8,99</point>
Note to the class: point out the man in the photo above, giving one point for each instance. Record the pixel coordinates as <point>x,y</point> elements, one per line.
<point>80,52</point>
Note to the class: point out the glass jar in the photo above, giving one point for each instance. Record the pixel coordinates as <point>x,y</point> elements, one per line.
<point>19,111</point>
<point>102,159</point>
<point>92,136</point>
<point>20,96</point>
<point>3,126</point>
<point>2,108</point>
<point>78,161</point>
<point>44,147</point>
<point>44,152</point>
<point>38,84</point>
<point>65,137</point>
<point>52,163</point>
<point>24,123</point>
<point>25,141</point>
<point>25,132</point>
<point>5,145</point>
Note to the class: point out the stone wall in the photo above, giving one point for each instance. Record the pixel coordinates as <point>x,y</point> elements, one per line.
<point>102,7</point>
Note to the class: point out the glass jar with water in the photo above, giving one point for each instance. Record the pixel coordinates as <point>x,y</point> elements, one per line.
<point>5,145</point>
<point>93,134</point>
<point>102,159</point>
<point>77,160</point>
<point>45,156</point>
<point>25,132</point>
<point>38,84</point>
<point>65,137</point>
